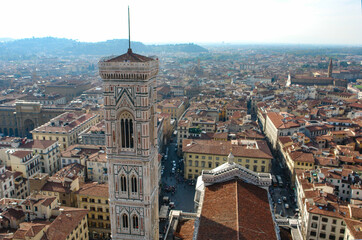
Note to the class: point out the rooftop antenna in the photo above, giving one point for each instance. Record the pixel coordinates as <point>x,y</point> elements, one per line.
<point>129,33</point>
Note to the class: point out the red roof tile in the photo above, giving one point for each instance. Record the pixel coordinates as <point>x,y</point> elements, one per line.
<point>236,210</point>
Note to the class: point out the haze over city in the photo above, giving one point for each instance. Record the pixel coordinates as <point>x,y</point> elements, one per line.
<point>160,21</point>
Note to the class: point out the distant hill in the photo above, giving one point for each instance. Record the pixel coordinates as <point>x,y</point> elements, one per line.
<point>30,47</point>
<point>6,39</point>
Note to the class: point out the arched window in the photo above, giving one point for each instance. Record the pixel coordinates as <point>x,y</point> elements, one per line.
<point>123,183</point>
<point>134,184</point>
<point>124,220</point>
<point>126,130</point>
<point>135,222</point>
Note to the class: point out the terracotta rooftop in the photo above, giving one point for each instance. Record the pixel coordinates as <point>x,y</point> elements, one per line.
<point>98,157</point>
<point>65,223</point>
<point>236,210</point>
<point>129,56</point>
<point>71,171</point>
<point>56,187</point>
<point>354,227</point>
<point>21,154</point>
<point>94,189</point>
<point>279,121</point>
<point>28,230</point>
<point>13,214</point>
<point>223,148</point>
<point>185,229</point>
<point>41,144</point>
<point>302,157</point>
<point>65,122</point>
<point>39,200</point>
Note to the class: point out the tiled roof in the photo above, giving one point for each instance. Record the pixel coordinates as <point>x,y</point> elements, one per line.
<point>55,187</point>
<point>6,175</point>
<point>302,157</point>
<point>67,122</point>
<point>331,210</point>
<point>65,223</point>
<point>129,56</point>
<point>12,213</point>
<point>354,227</point>
<point>98,157</point>
<point>94,189</point>
<point>71,171</point>
<point>21,154</point>
<point>28,230</point>
<point>185,229</point>
<point>39,200</point>
<point>41,144</point>
<point>78,150</point>
<point>224,148</point>
<point>236,210</point>
<point>355,211</point>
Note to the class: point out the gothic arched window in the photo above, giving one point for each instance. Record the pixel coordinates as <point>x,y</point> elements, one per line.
<point>134,184</point>
<point>135,222</point>
<point>123,183</point>
<point>124,220</point>
<point>126,121</point>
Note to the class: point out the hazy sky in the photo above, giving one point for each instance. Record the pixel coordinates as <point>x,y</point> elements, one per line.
<point>200,21</point>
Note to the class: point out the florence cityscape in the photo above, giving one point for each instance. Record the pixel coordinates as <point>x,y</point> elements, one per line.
<point>181,120</point>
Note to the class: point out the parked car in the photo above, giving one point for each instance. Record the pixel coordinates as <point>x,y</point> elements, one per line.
<point>286,205</point>
<point>279,201</point>
<point>284,198</point>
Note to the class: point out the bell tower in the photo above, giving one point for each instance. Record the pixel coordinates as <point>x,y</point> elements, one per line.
<point>131,141</point>
<point>330,68</point>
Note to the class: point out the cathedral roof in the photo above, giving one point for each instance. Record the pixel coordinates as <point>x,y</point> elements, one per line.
<point>129,57</point>
<point>236,210</point>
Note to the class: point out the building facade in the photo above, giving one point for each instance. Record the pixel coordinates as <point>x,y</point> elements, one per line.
<point>49,154</point>
<point>22,117</point>
<point>208,154</point>
<point>65,128</point>
<point>131,141</point>
<point>94,197</point>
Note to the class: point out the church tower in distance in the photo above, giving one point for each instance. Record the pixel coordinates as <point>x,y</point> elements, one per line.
<point>330,68</point>
<point>131,140</point>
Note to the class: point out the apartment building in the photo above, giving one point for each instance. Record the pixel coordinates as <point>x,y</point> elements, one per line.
<point>63,185</point>
<point>174,107</point>
<point>278,124</point>
<point>97,167</point>
<point>49,153</point>
<point>7,184</point>
<point>95,135</point>
<point>22,189</point>
<point>25,162</point>
<point>94,198</point>
<point>323,215</point>
<point>208,154</point>
<point>79,154</point>
<point>65,128</point>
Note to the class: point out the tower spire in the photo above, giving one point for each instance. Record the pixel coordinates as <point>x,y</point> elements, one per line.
<point>330,67</point>
<point>129,33</point>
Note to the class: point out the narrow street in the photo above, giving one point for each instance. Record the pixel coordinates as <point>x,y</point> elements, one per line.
<point>180,192</point>
<point>183,193</point>
<point>282,195</point>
